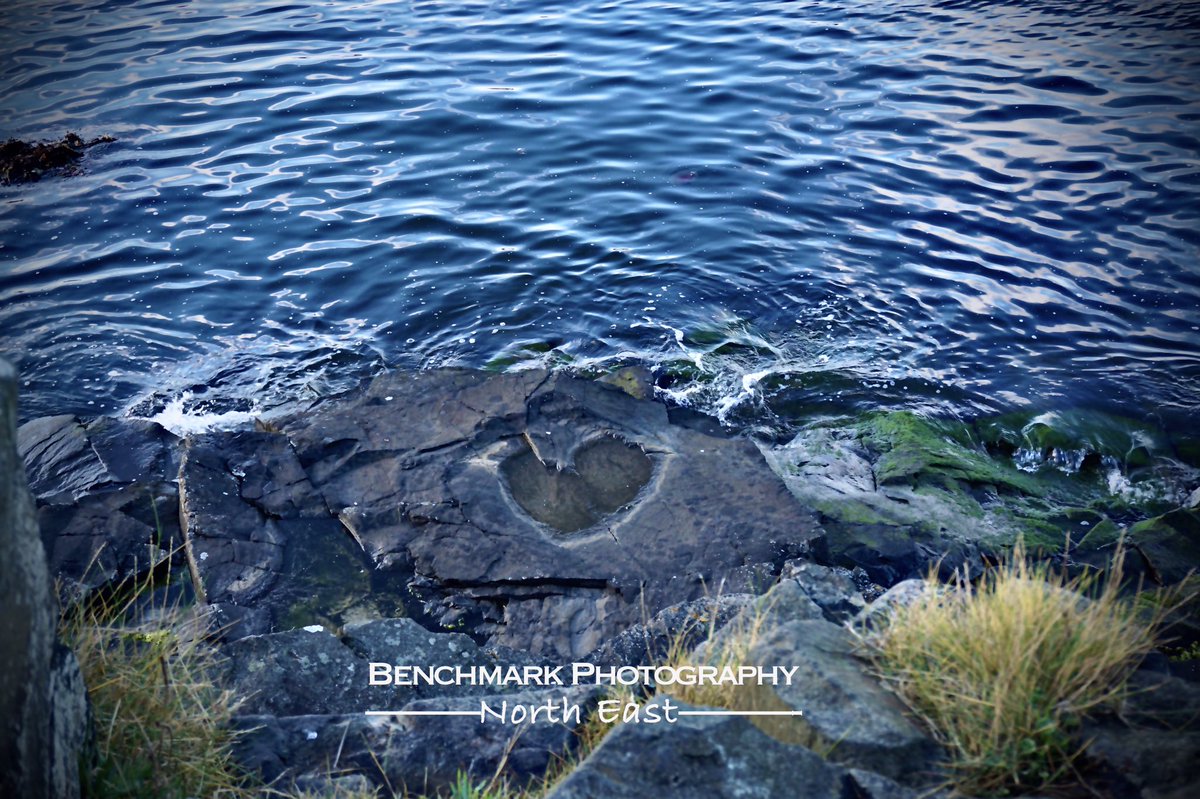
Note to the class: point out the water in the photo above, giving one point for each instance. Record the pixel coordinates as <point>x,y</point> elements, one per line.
<point>958,207</point>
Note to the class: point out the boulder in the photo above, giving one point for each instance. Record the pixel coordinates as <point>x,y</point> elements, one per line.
<point>832,589</point>
<point>849,715</point>
<point>1149,747</point>
<point>65,458</point>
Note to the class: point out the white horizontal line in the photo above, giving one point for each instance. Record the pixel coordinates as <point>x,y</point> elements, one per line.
<point>741,712</point>
<point>422,712</point>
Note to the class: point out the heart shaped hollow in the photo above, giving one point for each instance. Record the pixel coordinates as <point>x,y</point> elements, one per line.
<point>608,475</point>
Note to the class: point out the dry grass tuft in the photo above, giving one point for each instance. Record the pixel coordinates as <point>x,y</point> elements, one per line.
<point>161,724</point>
<point>1003,671</point>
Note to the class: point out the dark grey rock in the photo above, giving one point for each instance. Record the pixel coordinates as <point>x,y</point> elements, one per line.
<point>1150,747</point>
<point>545,512</point>
<point>832,589</point>
<point>849,715</point>
<point>66,458</point>
<point>714,757</point>
<point>229,622</point>
<point>42,700</point>
<point>59,462</point>
<point>682,625</point>
<point>403,641</point>
<point>134,450</point>
<point>312,672</point>
<point>234,550</point>
<point>298,672</point>
<point>110,535</point>
<point>420,754</point>
<point>900,595</point>
<point>260,536</point>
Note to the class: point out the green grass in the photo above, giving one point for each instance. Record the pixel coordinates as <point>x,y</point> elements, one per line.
<point>1003,671</point>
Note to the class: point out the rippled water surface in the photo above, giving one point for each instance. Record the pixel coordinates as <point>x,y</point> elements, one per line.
<point>957,206</point>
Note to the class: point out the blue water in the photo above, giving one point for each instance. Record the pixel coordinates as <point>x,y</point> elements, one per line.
<point>959,207</point>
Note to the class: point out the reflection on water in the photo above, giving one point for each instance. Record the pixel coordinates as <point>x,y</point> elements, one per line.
<point>948,206</point>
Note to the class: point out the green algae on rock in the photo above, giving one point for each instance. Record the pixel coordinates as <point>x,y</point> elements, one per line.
<point>898,492</point>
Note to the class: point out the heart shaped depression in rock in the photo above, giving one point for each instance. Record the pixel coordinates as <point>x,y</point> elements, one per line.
<point>608,475</point>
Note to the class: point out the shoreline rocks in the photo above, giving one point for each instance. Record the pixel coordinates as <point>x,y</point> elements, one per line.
<point>535,518</point>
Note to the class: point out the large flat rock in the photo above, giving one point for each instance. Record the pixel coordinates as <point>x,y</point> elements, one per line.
<point>543,511</point>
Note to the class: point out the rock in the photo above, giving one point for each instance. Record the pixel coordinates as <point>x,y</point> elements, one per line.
<point>848,715</point>
<point>1168,546</point>
<point>714,757</point>
<point>110,535</point>
<point>108,510</point>
<point>900,595</point>
<point>421,754</point>
<point>311,672</point>
<point>636,381</point>
<point>23,162</point>
<point>229,622</point>
<point>1151,747</point>
<point>833,590</point>
<point>298,672</point>
<point>878,506</point>
<point>42,699</point>
<point>684,625</point>
<point>259,536</point>
<point>542,511</point>
<point>1193,500</point>
<point>234,550</point>
<point>66,458</point>
<point>59,460</point>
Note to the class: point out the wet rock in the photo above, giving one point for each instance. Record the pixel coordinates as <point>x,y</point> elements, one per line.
<point>715,757</point>
<point>546,512</point>
<point>636,381</point>
<point>421,754</point>
<point>107,503</point>
<point>26,162</point>
<point>234,550</point>
<point>1168,545</point>
<point>259,536</point>
<point>878,513</point>
<point>42,695</point>
<point>59,461</point>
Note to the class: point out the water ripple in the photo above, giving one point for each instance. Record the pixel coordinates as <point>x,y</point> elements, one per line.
<point>953,206</point>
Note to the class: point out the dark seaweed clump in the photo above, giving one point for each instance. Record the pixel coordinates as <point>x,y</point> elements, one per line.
<point>26,162</point>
